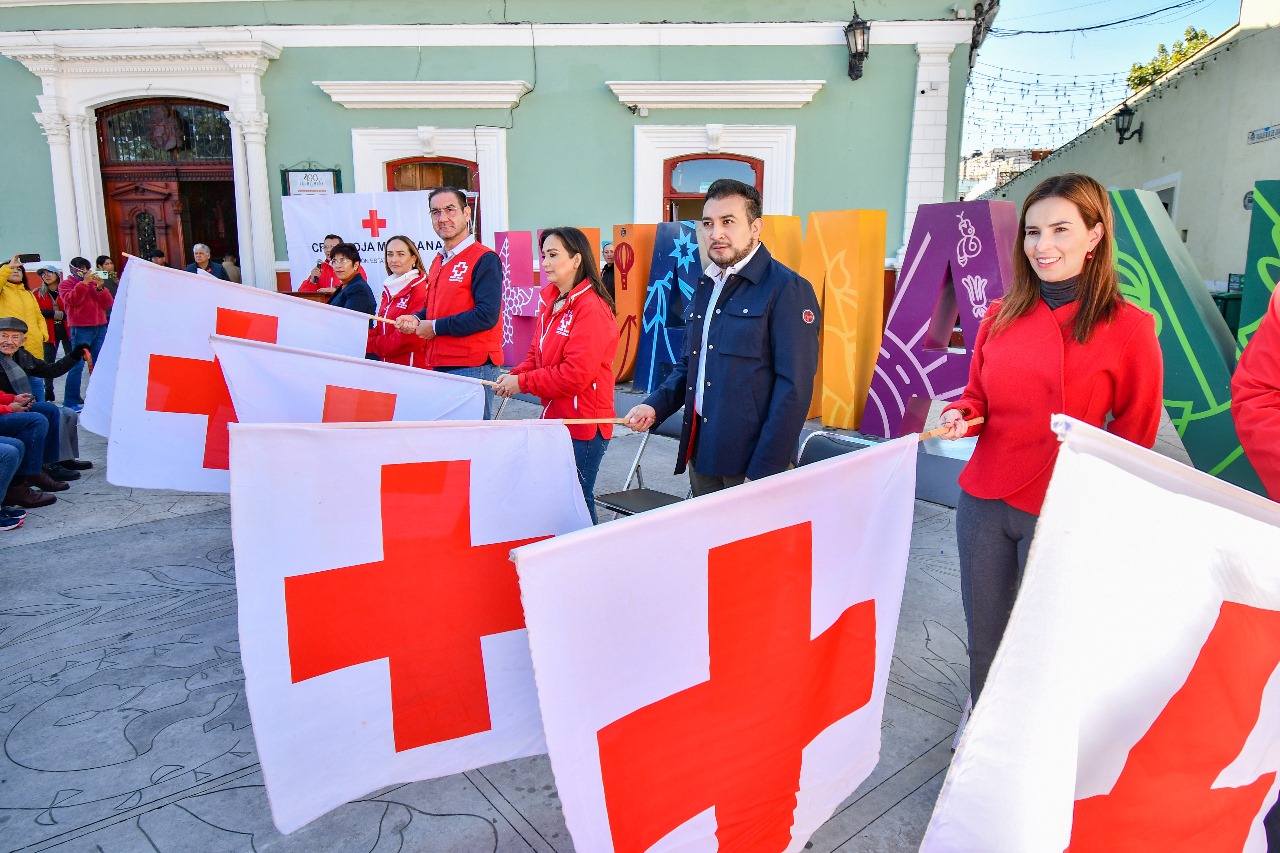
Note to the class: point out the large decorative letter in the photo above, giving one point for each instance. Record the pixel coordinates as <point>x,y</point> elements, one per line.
<point>1158,275</point>
<point>844,261</point>
<point>632,255</point>
<point>957,262</point>
<point>1262,268</point>
<point>519,293</point>
<point>672,277</point>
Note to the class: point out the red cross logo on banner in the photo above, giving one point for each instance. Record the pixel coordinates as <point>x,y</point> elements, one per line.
<point>352,405</point>
<point>735,742</point>
<point>424,607</point>
<point>193,386</point>
<point>373,223</point>
<point>1165,798</point>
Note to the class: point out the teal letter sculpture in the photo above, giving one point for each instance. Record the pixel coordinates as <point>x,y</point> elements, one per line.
<point>1262,269</point>
<point>1158,275</point>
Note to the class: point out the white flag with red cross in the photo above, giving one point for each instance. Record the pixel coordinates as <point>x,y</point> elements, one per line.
<point>170,406</point>
<point>381,629</point>
<point>272,384</point>
<point>714,672</point>
<point>1134,703</point>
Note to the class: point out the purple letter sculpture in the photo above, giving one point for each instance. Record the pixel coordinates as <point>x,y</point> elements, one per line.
<point>519,294</point>
<point>957,262</point>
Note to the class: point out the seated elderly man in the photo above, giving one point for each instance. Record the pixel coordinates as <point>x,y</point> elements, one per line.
<point>17,365</point>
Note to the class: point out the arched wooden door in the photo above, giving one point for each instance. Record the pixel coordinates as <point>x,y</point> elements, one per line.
<point>686,179</point>
<point>167,178</point>
<point>427,173</point>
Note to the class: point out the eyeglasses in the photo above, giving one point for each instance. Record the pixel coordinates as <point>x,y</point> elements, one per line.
<point>451,210</point>
<point>340,261</point>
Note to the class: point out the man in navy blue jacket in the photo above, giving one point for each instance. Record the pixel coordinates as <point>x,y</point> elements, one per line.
<point>750,354</point>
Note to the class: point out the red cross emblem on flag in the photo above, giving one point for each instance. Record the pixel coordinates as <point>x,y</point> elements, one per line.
<point>193,386</point>
<point>353,405</point>
<point>373,224</point>
<point>735,742</point>
<point>1167,789</point>
<point>424,607</point>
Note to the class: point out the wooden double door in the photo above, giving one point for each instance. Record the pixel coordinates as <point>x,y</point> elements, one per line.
<point>167,179</point>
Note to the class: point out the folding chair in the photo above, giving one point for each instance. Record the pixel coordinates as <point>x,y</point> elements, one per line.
<point>821,445</point>
<point>630,501</point>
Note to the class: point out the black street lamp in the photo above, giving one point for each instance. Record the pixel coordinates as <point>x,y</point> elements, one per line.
<point>1124,123</point>
<point>858,36</point>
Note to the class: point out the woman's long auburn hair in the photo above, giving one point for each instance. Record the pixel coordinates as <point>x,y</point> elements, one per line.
<point>576,243</point>
<point>1099,288</point>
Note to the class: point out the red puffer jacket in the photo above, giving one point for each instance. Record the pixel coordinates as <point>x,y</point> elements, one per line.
<point>385,341</point>
<point>570,361</point>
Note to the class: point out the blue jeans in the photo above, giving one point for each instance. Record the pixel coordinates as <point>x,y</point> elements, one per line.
<point>485,371</point>
<point>37,387</point>
<point>11,453</point>
<point>93,336</point>
<point>586,457</point>
<point>31,429</point>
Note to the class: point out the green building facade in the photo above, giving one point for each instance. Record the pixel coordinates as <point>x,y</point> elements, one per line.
<point>158,122</point>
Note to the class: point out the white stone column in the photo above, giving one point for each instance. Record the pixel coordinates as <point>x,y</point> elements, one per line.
<point>83,178</point>
<point>240,175</point>
<point>253,127</point>
<point>97,193</point>
<point>56,132</point>
<point>927,164</point>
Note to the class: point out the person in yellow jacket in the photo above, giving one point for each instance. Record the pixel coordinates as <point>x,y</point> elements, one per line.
<point>17,301</point>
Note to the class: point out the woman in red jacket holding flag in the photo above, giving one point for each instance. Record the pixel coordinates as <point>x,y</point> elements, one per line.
<point>404,292</point>
<point>1061,340</point>
<point>570,361</point>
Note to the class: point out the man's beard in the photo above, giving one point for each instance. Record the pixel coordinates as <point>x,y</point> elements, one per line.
<point>737,256</point>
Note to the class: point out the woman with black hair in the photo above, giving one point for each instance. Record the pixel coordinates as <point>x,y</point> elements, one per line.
<point>353,291</point>
<point>570,361</point>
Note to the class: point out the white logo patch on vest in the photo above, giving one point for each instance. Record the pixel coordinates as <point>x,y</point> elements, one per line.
<point>459,272</point>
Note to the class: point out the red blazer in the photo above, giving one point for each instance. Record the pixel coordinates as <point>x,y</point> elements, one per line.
<point>570,361</point>
<point>1035,369</point>
<point>1255,400</point>
<point>86,305</point>
<point>387,343</point>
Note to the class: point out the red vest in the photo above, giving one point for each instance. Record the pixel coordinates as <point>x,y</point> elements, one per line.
<point>449,293</point>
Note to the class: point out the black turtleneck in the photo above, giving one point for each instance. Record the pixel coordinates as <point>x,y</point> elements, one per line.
<point>1058,293</point>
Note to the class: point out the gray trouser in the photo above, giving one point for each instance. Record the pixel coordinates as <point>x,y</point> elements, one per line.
<point>705,484</point>
<point>993,539</point>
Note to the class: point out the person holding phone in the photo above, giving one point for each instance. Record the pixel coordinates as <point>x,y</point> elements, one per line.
<point>16,300</point>
<point>54,317</point>
<point>87,301</point>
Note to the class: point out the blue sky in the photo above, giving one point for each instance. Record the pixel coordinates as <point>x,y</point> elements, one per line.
<point>1037,91</point>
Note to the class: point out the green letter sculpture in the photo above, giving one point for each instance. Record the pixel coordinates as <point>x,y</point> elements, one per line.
<point>1158,275</point>
<point>1263,265</point>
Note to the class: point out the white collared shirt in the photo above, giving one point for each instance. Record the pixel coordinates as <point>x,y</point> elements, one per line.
<point>449,254</point>
<point>719,276</point>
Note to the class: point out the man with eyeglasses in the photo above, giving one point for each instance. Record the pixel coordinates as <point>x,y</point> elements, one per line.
<point>461,321</point>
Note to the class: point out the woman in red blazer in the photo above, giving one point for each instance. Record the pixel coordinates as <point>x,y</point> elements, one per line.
<point>570,361</point>
<point>1061,340</point>
<point>404,292</point>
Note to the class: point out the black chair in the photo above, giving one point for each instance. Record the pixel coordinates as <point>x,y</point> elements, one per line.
<point>821,445</point>
<point>630,501</point>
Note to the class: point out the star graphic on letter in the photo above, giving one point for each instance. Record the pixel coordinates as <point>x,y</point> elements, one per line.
<point>684,241</point>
